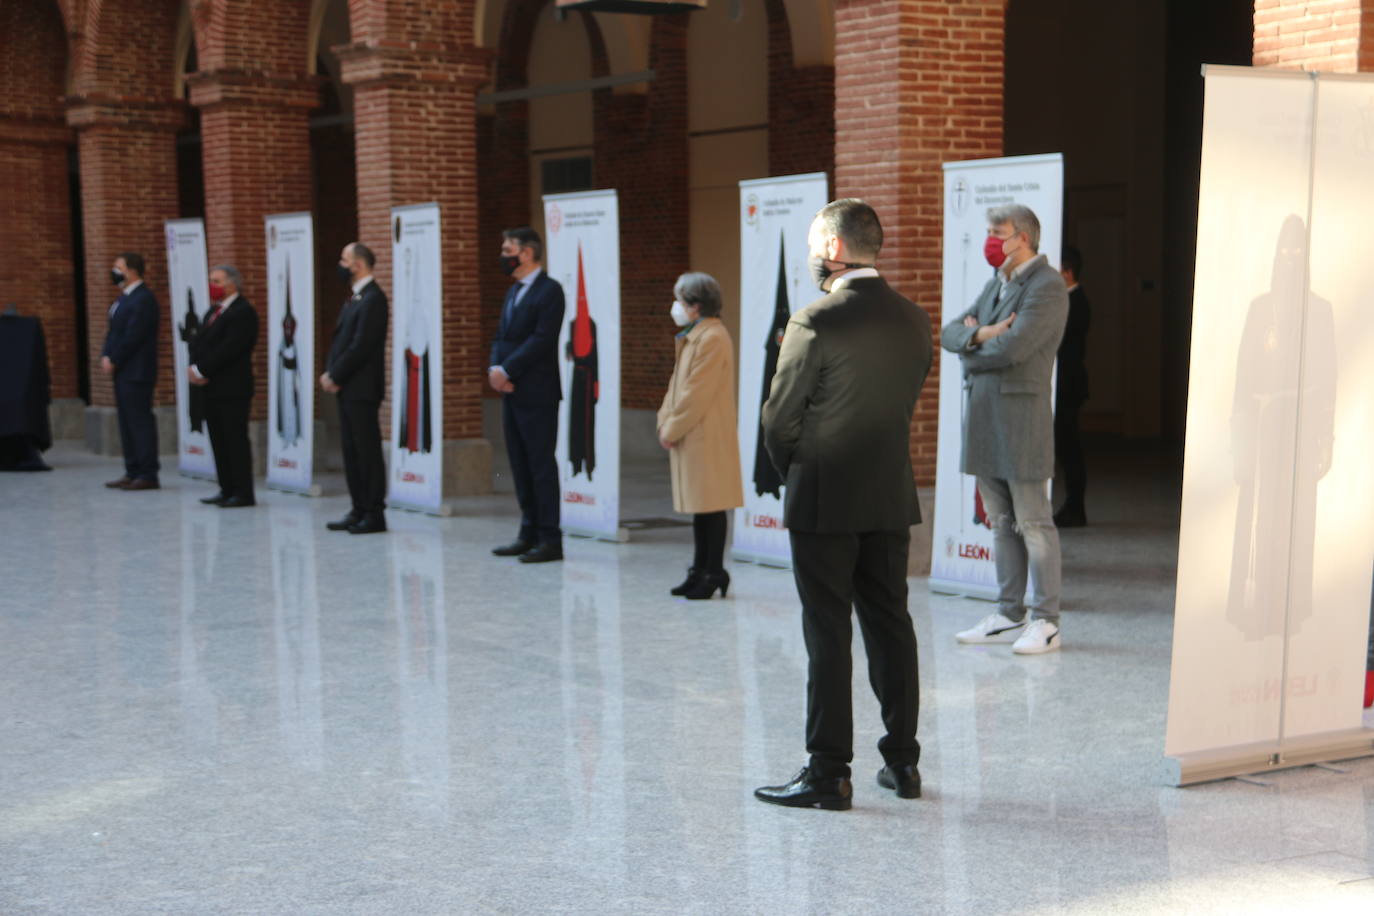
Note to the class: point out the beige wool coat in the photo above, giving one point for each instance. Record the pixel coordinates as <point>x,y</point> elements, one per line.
<point>698,416</point>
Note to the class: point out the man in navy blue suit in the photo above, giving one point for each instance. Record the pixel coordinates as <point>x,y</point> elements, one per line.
<point>130,358</point>
<point>524,368</point>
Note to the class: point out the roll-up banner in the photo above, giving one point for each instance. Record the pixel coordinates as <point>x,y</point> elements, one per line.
<point>417,359</point>
<point>291,353</point>
<point>775,216</point>
<point>584,256</point>
<point>188,282</point>
<point>1275,551</point>
<point>961,559</point>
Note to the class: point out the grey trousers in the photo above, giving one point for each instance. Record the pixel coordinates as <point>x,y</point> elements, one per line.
<point>1025,542</point>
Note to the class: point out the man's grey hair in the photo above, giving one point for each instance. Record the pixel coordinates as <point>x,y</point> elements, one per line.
<point>232,274</point>
<point>700,290</point>
<point>1022,219</point>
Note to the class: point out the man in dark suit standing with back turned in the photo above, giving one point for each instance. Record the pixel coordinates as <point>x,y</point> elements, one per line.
<point>524,368</point>
<point>130,357</point>
<point>222,364</point>
<point>356,374</point>
<point>837,424</point>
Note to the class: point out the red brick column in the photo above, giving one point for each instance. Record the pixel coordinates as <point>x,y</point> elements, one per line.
<point>1308,35</point>
<point>128,165</point>
<point>415,74</point>
<point>917,83</point>
<point>35,215</point>
<point>255,149</point>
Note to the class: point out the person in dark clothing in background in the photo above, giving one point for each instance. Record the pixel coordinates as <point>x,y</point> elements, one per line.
<point>1071,390</point>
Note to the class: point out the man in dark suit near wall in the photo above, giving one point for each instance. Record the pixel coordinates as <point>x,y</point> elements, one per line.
<point>356,373</point>
<point>524,368</point>
<point>130,358</point>
<point>222,365</point>
<point>837,425</point>
<point>1071,390</point>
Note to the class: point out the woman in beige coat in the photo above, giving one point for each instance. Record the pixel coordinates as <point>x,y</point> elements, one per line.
<point>696,424</point>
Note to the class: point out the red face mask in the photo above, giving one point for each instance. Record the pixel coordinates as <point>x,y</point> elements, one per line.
<point>992,250</point>
<point>216,292</point>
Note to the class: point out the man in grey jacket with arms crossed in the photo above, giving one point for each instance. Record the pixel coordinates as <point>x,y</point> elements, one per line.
<point>1007,343</point>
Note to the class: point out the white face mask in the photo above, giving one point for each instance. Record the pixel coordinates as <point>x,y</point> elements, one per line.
<point>679,313</point>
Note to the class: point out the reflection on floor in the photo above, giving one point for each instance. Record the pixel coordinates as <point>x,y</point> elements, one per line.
<point>210,711</point>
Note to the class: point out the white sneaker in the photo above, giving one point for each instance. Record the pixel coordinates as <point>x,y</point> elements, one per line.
<point>993,628</point>
<point>1041,636</point>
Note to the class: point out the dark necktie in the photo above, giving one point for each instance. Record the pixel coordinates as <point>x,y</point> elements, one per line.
<point>509,308</point>
<point>214,313</point>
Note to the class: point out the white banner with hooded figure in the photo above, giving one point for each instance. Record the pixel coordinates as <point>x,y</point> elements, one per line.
<point>188,282</point>
<point>961,559</point>
<point>290,352</point>
<point>1275,548</point>
<point>417,359</point>
<point>775,216</point>
<point>584,256</point>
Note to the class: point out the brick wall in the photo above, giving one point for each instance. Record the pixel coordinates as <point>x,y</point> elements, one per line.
<point>801,106</point>
<point>1312,34</point>
<point>35,217</point>
<point>917,84</point>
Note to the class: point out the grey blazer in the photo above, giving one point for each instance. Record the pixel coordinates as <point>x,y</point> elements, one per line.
<point>1008,399</point>
<point>837,423</point>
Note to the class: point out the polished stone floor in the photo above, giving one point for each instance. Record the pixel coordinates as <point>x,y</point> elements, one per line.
<point>212,711</point>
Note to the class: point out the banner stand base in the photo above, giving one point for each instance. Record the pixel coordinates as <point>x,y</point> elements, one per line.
<point>621,536</point>
<point>1266,757</point>
<point>313,490</point>
<point>759,559</point>
<point>963,589</point>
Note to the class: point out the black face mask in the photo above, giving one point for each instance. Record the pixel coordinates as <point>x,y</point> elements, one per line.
<point>509,263</point>
<point>116,276</point>
<point>345,275</point>
<point>820,273</point>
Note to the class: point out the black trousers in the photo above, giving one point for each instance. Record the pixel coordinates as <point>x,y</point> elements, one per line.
<point>364,468</point>
<point>863,572</point>
<point>708,532</point>
<point>137,429</point>
<point>227,422</point>
<point>1068,448</point>
<point>531,433</point>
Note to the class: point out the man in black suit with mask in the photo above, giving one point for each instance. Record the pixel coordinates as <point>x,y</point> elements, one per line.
<point>524,368</point>
<point>130,357</point>
<point>356,373</point>
<point>222,365</point>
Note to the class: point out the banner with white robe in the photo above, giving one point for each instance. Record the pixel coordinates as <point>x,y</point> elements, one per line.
<point>775,216</point>
<point>417,401</point>
<point>188,282</point>
<point>290,352</point>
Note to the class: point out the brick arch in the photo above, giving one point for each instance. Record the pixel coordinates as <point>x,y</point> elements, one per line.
<point>268,38</point>
<point>516,37</point>
<point>127,50</point>
<point>811,31</point>
<point>33,68</point>
<point>800,96</point>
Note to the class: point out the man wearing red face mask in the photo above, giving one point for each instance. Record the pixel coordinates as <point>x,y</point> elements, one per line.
<point>1007,343</point>
<point>222,365</point>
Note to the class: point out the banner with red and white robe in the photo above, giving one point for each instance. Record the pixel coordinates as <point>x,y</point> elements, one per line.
<point>417,401</point>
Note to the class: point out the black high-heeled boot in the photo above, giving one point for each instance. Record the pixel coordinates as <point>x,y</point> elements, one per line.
<point>693,574</point>
<point>706,586</point>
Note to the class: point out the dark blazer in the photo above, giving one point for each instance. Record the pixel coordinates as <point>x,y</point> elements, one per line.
<point>837,422</point>
<point>356,357</point>
<point>1071,376</point>
<point>526,344</point>
<point>131,341</point>
<point>223,351</point>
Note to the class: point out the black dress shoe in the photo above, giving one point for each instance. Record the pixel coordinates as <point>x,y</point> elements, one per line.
<point>370,524</point>
<point>692,575</point>
<point>902,778</point>
<point>237,502</point>
<point>514,549</point>
<point>119,483</point>
<point>141,483</point>
<point>215,500</point>
<point>544,553</point>
<point>343,524</point>
<point>836,794</point>
<point>705,586</point>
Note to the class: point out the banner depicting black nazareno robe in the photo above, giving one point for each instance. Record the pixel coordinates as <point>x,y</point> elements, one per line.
<point>775,214</point>
<point>291,353</point>
<point>583,235</point>
<point>188,278</point>
<point>585,388</point>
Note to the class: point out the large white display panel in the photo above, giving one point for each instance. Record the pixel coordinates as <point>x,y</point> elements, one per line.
<point>291,352</point>
<point>1274,564</point>
<point>188,284</point>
